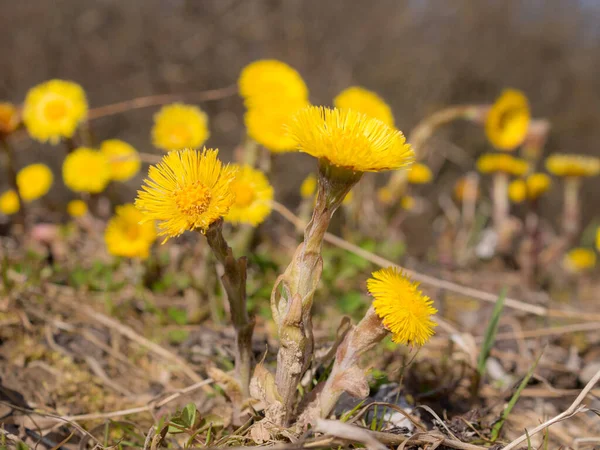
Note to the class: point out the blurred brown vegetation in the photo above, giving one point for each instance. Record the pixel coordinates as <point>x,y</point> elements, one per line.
<point>418,54</point>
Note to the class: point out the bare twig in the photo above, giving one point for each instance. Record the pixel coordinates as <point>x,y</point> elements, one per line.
<point>349,432</point>
<point>574,409</point>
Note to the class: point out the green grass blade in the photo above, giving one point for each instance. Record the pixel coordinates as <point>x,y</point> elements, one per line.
<point>490,333</point>
<point>513,400</point>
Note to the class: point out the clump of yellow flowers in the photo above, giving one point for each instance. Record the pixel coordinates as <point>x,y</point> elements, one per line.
<point>128,235</point>
<point>53,110</point>
<point>180,126</point>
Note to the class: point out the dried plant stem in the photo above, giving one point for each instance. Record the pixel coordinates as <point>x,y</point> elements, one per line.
<point>346,375</point>
<point>572,207</point>
<point>11,173</point>
<point>234,282</point>
<point>425,129</point>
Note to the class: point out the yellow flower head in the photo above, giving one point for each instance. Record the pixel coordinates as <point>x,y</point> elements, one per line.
<point>385,195</point>
<point>464,190</point>
<point>253,197</point>
<point>124,159</point>
<point>501,162</point>
<point>9,203</point>
<point>580,260</point>
<point>573,165</point>
<point>267,125</point>
<point>517,191</point>
<point>349,139</point>
<point>86,170</point>
<point>9,118</point>
<point>366,102</point>
<point>405,311</point>
<point>77,208</point>
<point>126,236</point>
<point>179,126</point>
<point>188,189</point>
<point>308,186</point>
<point>54,109</point>
<point>508,120</point>
<point>270,81</point>
<point>419,174</point>
<point>34,181</point>
<point>537,184</point>
<point>407,202</point>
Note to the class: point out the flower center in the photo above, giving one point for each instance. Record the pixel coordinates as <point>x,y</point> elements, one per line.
<point>55,109</point>
<point>193,200</point>
<point>180,134</point>
<point>244,194</point>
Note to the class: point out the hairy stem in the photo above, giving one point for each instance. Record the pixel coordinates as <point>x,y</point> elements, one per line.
<point>500,200</point>
<point>234,282</point>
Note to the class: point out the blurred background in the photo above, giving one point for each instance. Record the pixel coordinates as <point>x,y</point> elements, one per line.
<point>420,55</point>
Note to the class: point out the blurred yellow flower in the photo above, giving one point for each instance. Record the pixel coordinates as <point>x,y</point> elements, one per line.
<point>9,202</point>
<point>508,120</point>
<point>179,126</point>
<point>404,309</point>
<point>573,165</point>
<point>384,195</point>
<point>517,191</point>
<point>54,109</point>
<point>598,239</point>
<point>86,170</point>
<point>124,159</point>
<point>537,184</point>
<point>267,125</point>
<point>419,174</point>
<point>501,162</point>
<point>366,102</point>
<point>407,202</point>
<point>349,139</point>
<point>34,181</point>
<point>308,188</point>
<point>187,190</point>
<point>253,197</point>
<point>9,118</point>
<point>77,208</point>
<point>268,82</point>
<point>580,260</point>
<point>126,236</point>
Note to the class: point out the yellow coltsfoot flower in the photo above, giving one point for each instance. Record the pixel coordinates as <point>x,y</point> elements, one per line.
<point>508,120</point>
<point>9,203</point>
<point>270,83</point>
<point>86,170</point>
<point>9,118</point>
<point>419,174</point>
<point>517,191</point>
<point>253,197</point>
<point>404,310</point>
<point>575,166</point>
<point>537,184</point>
<point>179,126</point>
<point>366,102</point>
<point>123,158</point>
<point>349,140</point>
<point>187,190</point>
<point>308,186</point>
<point>579,260</point>
<point>77,208</point>
<point>34,181</point>
<point>502,162</point>
<point>127,236</point>
<point>54,109</point>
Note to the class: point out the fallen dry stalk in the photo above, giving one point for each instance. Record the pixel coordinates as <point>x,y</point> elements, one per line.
<point>436,282</point>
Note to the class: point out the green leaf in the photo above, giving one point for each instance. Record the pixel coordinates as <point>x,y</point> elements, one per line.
<point>513,401</point>
<point>179,316</point>
<point>178,336</point>
<point>490,333</point>
<point>188,415</point>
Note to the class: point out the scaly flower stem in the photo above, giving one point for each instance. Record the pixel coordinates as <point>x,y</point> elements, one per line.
<point>346,375</point>
<point>234,282</point>
<point>572,210</point>
<point>500,200</point>
<point>12,179</point>
<point>292,296</point>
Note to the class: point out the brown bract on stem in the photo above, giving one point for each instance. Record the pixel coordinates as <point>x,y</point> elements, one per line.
<point>234,282</point>
<point>292,296</point>
<point>11,172</point>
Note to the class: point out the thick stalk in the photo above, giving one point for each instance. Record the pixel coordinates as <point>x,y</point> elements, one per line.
<point>346,375</point>
<point>572,209</point>
<point>234,282</point>
<point>500,200</point>
<point>292,296</point>
<point>11,172</point>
